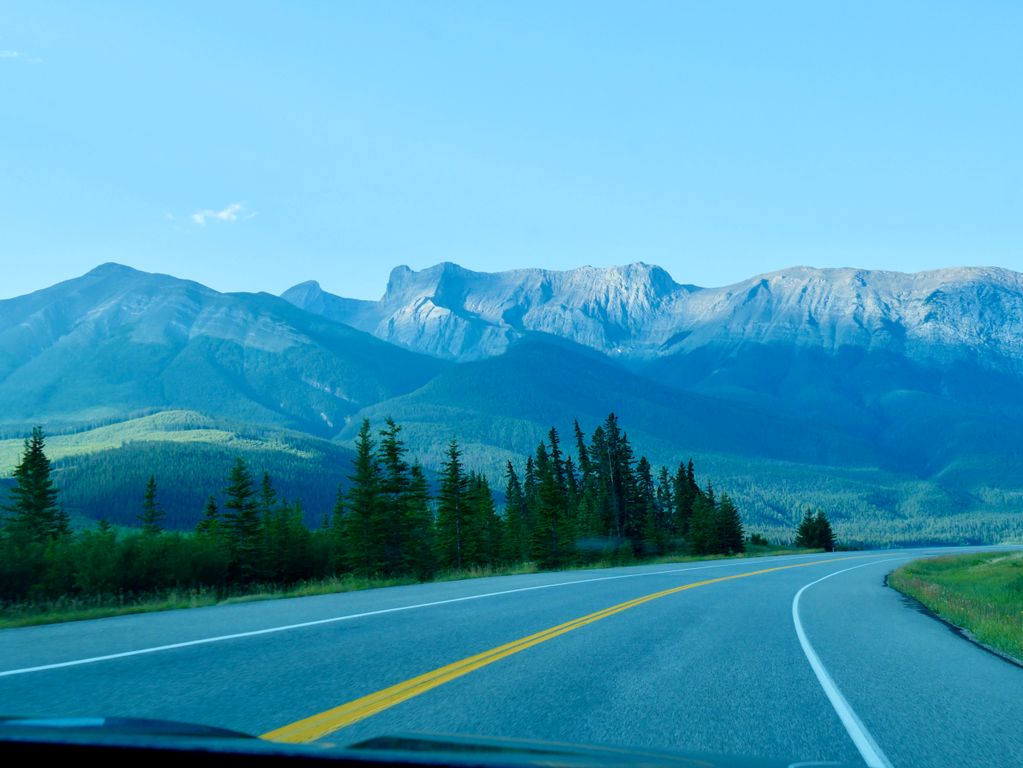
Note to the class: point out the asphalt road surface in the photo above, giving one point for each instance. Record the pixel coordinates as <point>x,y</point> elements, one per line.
<point>805,657</point>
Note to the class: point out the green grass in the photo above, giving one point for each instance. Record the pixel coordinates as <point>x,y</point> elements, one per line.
<point>981,593</point>
<point>81,609</point>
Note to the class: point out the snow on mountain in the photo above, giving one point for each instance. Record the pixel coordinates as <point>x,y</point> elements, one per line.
<point>639,312</point>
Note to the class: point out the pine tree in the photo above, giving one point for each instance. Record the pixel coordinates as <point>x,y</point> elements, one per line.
<point>152,516</point>
<point>484,529</point>
<point>394,488</point>
<point>242,524</point>
<point>825,536</point>
<point>703,526</point>
<point>634,502</point>
<point>603,516</point>
<point>212,559</point>
<point>452,512</point>
<point>684,493</point>
<point>666,501</point>
<point>585,466</point>
<point>336,558</point>
<point>364,534</point>
<point>730,533</point>
<point>209,524</point>
<point>515,547</point>
<point>806,532</point>
<point>552,536</point>
<point>557,462</point>
<point>652,533</point>
<point>420,559</point>
<point>529,488</point>
<point>34,515</point>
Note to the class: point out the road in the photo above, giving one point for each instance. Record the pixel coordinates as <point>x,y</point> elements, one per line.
<point>706,656</point>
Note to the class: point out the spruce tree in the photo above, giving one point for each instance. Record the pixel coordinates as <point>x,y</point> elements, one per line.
<point>684,493</point>
<point>420,559</point>
<point>364,535</point>
<point>730,533</point>
<point>806,532</point>
<point>703,526</point>
<point>652,534</point>
<point>242,524</point>
<point>825,536</point>
<point>336,558</point>
<point>666,501</point>
<point>452,512</point>
<point>552,536</point>
<point>515,547</point>
<point>585,466</point>
<point>152,516</point>
<point>33,514</point>
<point>603,493</point>
<point>633,501</point>
<point>209,523</point>
<point>484,530</point>
<point>392,519</point>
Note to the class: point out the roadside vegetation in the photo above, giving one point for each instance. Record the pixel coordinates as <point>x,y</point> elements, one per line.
<point>981,593</point>
<point>81,608</point>
<point>601,507</point>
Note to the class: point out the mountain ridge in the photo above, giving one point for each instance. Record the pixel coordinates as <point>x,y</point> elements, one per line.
<point>639,313</point>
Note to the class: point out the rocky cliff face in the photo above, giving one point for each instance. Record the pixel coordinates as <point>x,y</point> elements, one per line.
<point>639,312</point>
<point>455,313</point>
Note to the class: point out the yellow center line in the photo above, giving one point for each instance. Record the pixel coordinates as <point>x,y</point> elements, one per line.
<point>319,725</point>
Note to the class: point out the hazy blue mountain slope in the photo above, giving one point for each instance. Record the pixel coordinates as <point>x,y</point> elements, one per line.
<point>510,401</point>
<point>919,418</point>
<point>116,341</point>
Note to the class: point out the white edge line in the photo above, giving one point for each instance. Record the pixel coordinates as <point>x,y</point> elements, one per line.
<point>349,617</point>
<point>872,754</point>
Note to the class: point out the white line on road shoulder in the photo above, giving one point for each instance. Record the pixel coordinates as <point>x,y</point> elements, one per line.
<point>349,617</point>
<point>872,754</point>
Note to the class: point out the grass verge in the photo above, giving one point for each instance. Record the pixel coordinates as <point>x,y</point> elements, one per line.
<point>980,593</point>
<point>103,606</point>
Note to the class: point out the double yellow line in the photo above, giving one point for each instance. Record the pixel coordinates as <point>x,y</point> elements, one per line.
<point>319,725</point>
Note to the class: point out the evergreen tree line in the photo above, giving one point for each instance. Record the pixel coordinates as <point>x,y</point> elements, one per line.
<point>560,509</point>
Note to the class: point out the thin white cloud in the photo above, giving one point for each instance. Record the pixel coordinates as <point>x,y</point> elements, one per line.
<point>231,213</point>
<point>8,55</point>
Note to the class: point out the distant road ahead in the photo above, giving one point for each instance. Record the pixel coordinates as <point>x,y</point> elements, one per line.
<point>695,656</point>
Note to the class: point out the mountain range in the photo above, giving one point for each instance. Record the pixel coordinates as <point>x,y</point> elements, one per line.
<point>891,400</point>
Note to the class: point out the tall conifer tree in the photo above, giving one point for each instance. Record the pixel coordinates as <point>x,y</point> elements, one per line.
<point>242,524</point>
<point>453,520</point>
<point>33,514</point>
<point>151,516</point>
<point>363,532</point>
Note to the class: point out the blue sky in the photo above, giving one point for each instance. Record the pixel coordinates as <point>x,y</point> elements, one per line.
<point>250,146</point>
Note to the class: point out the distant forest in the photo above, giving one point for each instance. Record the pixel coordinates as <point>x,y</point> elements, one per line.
<point>561,508</point>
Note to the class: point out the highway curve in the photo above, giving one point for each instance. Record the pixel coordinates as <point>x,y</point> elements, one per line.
<point>710,656</point>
